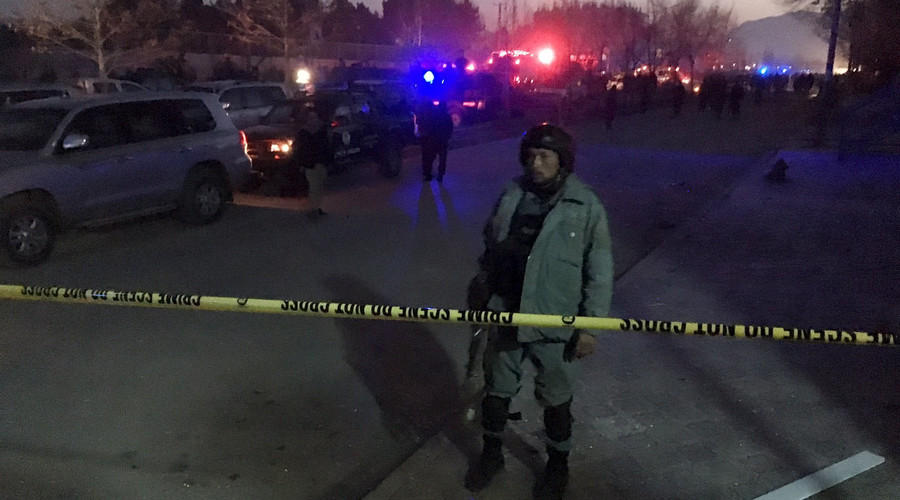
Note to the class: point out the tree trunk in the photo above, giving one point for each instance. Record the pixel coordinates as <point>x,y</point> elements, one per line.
<point>691,84</point>
<point>832,40</point>
<point>101,64</point>
<point>828,97</point>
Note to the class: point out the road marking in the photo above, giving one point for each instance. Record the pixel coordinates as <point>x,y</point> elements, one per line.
<point>825,478</point>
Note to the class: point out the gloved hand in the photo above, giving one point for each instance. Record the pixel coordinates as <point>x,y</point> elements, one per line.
<point>479,292</point>
<point>584,345</point>
<point>580,345</point>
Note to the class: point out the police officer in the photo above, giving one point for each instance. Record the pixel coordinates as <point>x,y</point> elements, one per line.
<point>312,153</point>
<point>436,130</point>
<point>547,251</point>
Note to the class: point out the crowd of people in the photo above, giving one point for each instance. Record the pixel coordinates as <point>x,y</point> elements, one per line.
<point>719,93</point>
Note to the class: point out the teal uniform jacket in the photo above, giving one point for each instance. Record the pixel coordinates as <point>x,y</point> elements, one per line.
<point>570,269</point>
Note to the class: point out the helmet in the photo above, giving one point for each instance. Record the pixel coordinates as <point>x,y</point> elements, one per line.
<point>547,136</point>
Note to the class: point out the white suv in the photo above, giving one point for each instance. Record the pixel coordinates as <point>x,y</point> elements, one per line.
<point>245,102</point>
<point>91,160</point>
<point>108,86</point>
<point>14,93</point>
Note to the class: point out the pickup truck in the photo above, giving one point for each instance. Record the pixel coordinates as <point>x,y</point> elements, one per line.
<point>361,131</point>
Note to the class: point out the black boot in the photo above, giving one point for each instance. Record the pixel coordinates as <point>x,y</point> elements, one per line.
<point>556,476</point>
<point>490,463</point>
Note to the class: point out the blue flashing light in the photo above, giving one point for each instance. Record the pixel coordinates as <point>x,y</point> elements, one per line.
<point>428,77</point>
<point>763,70</point>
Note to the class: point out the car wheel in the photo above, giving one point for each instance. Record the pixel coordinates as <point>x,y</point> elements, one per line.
<point>203,197</point>
<point>392,161</point>
<point>28,229</point>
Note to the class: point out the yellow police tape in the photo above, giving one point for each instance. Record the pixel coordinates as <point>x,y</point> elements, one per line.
<point>434,315</point>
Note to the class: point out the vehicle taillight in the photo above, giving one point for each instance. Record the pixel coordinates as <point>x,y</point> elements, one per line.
<point>243,140</point>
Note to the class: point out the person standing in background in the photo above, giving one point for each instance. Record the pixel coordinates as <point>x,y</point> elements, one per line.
<point>436,130</point>
<point>312,153</point>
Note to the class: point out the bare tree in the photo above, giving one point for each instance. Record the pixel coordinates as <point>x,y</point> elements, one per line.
<point>634,34</point>
<point>445,25</point>
<point>275,26</point>
<point>690,31</point>
<point>109,34</point>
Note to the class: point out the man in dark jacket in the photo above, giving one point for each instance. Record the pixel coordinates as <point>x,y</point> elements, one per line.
<point>436,130</point>
<point>311,152</point>
<point>547,251</point>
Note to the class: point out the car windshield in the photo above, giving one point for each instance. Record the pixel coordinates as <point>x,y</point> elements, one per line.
<point>289,112</point>
<point>28,129</point>
<point>282,113</point>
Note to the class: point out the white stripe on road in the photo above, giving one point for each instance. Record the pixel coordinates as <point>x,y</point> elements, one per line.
<point>825,478</point>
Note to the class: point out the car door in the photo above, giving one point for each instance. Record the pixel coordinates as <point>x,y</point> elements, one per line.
<point>345,139</point>
<point>197,140</point>
<point>163,150</point>
<point>115,174</point>
<point>88,179</point>
<point>366,117</point>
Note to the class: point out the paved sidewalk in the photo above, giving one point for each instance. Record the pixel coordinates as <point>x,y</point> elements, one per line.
<point>675,417</point>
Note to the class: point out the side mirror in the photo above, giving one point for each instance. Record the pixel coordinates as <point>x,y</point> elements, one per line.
<point>74,141</point>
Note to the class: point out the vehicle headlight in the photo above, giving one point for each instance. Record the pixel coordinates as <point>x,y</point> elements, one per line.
<point>281,147</point>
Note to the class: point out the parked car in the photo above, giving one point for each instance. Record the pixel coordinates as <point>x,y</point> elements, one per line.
<point>107,86</point>
<point>98,159</point>
<point>245,102</point>
<point>14,93</point>
<point>360,132</point>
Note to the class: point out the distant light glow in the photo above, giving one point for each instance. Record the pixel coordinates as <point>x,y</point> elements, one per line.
<point>763,70</point>
<point>471,67</point>
<point>428,77</point>
<point>546,56</point>
<point>303,76</point>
